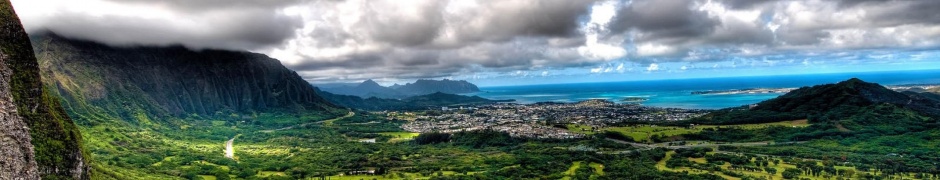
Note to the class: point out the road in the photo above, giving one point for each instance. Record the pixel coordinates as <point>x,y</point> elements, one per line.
<point>642,146</point>
<point>229,151</point>
<point>329,121</point>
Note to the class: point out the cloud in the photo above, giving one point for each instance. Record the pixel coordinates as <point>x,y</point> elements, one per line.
<point>353,40</point>
<point>653,67</point>
<point>664,20</point>
<point>140,23</point>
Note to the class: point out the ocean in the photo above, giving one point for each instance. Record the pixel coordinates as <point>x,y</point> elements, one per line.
<point>677,93</point>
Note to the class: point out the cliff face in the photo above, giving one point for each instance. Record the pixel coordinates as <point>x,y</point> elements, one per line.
<point>51,148</point>
<point>17,152</point>
<point>156,82</point>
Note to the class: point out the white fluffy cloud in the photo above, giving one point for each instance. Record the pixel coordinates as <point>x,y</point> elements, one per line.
<point>352,40</point>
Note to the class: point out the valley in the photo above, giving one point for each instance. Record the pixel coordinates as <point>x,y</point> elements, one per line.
<point>134,132</point>
<point>387,90</point>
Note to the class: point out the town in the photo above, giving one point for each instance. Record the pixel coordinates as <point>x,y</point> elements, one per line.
<point>538,120</point>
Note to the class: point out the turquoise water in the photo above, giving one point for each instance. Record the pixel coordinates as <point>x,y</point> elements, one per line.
<point>678,92</point>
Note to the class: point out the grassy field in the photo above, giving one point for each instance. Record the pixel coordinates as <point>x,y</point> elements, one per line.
<point>392,176</point>
<point>401,136</point>
<point>661,165</point>
<point>598,169</point>
<point>271,173</point>
<point>574,167</point>
<point>641,133</point>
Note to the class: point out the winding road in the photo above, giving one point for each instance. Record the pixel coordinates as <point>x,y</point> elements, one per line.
<point>329,121</point>
<point>230,151</point>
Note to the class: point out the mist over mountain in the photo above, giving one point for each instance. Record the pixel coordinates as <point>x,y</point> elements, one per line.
<point>370,88</point>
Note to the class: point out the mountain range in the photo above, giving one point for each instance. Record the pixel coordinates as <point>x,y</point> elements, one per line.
<point>420,102</point>
<point>169,81</point>
<point>370,88</point>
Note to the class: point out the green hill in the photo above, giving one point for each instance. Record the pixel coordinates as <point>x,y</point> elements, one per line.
<point>852,122</point>
<point>824,103</point>
<point>138,106</point>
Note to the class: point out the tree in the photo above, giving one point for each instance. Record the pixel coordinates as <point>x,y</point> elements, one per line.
<point>771,170</point>
<point>791,173</point>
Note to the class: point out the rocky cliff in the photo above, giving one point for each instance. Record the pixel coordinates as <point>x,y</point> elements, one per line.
<point>39,139</point>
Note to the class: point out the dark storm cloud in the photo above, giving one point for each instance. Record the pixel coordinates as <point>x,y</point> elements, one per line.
<point>895,13</point>
<point>745,4</point>
<point>670,20</point>
<point>231,28</point>
<point>203,5</point>
<point>504,20</point>
<point>438,36</point>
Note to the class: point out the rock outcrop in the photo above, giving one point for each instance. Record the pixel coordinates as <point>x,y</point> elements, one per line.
<point>38,139</point>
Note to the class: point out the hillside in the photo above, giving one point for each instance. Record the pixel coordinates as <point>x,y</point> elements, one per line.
<point>852,122</point>
<point>137,106</point>
<point>51,149</point>
<point>169,81</point>
<point>827,102</point>
<point>370,88</point>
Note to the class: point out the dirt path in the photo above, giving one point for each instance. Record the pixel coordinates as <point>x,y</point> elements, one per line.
<point>229,150</point>
<point>328,122</point>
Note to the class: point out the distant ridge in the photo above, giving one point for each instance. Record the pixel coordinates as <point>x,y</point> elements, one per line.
<point>424,86</point>
<point>370,88</point>
<point>422,102</point>
<point>825,102</point>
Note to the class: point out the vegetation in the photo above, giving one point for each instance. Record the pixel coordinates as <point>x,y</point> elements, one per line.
<point>862,125</point>
<point>664,133</point>
<point>163,116</point>
<point>55,138</point>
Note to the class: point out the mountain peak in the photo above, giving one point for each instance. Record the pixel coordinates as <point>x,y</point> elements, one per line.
<point>854,82</point>
<point>823,99</point>
<point>369,83</point>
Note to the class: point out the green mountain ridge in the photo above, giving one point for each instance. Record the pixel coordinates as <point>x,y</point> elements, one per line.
<point>370,88</point>
<point>828,101</point>
<point>173,81</point>
<point>421,102</point>
<point>137,106</point>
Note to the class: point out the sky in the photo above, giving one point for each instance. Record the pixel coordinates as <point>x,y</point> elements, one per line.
<point>517,42</point>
